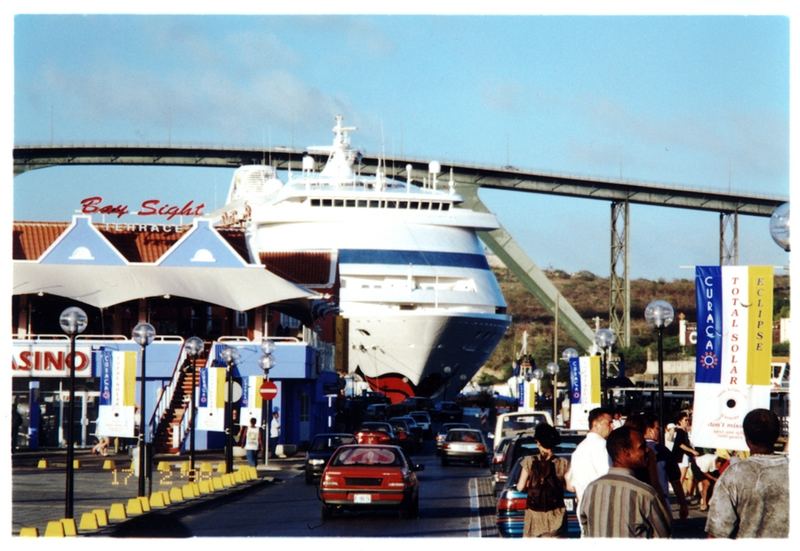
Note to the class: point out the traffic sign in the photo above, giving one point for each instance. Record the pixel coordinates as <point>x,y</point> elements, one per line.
<point>268,390</point>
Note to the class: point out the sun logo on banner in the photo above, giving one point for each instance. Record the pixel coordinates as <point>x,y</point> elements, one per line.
<point>709,360</point>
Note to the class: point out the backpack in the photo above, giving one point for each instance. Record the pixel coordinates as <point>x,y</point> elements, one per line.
<point>545,490</point>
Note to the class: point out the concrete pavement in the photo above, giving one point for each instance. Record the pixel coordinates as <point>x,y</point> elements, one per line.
<point>38,494</point>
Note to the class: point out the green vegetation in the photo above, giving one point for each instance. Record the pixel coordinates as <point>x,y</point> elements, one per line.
<point>589,295</point>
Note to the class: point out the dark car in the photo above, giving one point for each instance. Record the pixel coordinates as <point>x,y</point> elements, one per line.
<point>511,505</point>
<point>412,430</point>
<point>447,411</point>
<point>320,450</point>
<point>499,457</point>
<point>375,432</point>
<point>423,419</point>
<point>417,403</point>
<point>370,476</point>
<point>441,434</point>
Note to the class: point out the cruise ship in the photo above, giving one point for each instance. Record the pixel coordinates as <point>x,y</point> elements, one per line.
<point>423,308</point>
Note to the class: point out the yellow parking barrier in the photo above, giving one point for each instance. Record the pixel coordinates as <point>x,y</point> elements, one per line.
<point>156,500</point>
<point>217,483</point>
<point>167,498</point>
<point>176,495</point>
<point>54,529</point>
<point>187,491</point>
<point>206,487</point>
<point>221,467</point>
<point>76,463</point>
<point>145,504</point>
<point>42,464</point>
<point>117,512</point>
<point>109,465</point>
<point>101,516</point>
<point>134,507</point>
<point>69,527</point>
<point>164,467</point>
<point>206,467</point>
<point>88,522</point>
<point>29,532</point>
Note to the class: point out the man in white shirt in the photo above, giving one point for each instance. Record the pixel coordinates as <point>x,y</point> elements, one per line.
<point>590,459</point>
<point>274,432</point>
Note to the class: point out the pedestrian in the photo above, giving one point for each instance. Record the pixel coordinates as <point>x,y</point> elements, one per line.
<point>618,505</point>
<point>667,471</point>
<point>16,424</point>
<point>751,498</point>
<point>669,436</point>
<point>101,448</point>
<point>543,479</point>
<point>683,452</point>
<point>250,439</point>
<point>590,459</point>
<point>274,432</point>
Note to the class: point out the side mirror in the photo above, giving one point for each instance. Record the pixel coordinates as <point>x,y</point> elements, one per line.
<point>490,436</point>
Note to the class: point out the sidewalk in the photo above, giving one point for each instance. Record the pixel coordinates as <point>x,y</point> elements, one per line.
<point>38,494</point>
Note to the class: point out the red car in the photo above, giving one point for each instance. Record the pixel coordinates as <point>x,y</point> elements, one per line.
<point>370,476</point>
<point>376,432</point>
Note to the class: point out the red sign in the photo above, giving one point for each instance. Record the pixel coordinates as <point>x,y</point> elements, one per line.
<point>268,390</point>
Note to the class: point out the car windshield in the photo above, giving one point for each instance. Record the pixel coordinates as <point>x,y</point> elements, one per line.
<point>520,423</point>
<point>463,436</point>
<point>326,443</point>
<point>367,457</point>
<point>374,426</point>
<point>447,426</point>
<point>420,417</point>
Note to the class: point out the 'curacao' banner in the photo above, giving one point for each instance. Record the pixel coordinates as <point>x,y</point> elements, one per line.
<point>252,401</point>
<point>211,400</point>
<point>584,390</point>
<point>117,406</point>
<point>734,351</point>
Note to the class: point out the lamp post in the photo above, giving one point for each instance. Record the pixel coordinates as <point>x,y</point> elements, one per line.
<point>73,321</point>
<point>659,314</point>
<point>448,371</point>
<point>567,354</point>
<point>143,335</point>
<point>779,226</point>
<point>230,355</point>
<point>604,339</point>
<point>266,362</point>
<point>194,346</point>
<point>552,370</point>
<point>537,374</point>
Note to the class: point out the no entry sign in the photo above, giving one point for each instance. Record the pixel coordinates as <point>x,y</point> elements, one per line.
<point>268,390</point>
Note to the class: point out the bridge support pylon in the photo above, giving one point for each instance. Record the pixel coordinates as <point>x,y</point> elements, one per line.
<point>619,313</point>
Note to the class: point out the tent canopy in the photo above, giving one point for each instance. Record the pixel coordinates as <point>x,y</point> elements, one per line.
<point>240,289</point>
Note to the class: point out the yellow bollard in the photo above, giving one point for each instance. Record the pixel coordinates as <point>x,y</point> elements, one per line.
<point>69,527</point>
<point>101,516</point>
<point>117,512</point>
<point>166,497</point>
<point>54,529</point>
<point>221,467</point>
<point>42,464</point>
<point>88,522</point>
<point>108,465</point>
<point>134,507</point>
<point>217,483</point>
<point>164,467</point>
<point>76,463</point>
<point>238,477</point>
<point>206,467</point>
<point>145,504</point>
<point>156,500</point>
<point>29,532</point>
<point>206,487</point>
<point>176,495</point>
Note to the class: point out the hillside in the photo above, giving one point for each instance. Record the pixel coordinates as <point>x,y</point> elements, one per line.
<point>589,295</point>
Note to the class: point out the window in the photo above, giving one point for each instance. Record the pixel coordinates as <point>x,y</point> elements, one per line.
<point>391,204</point>
<point>413,205</point>
<point>445,206</point>
<point>315,202</point>
<point>326,203</point>
<point>338,202</point>
<point>362,203</point>
<point>403,204</point>
<point>373,204</point>
<point>350,203</point>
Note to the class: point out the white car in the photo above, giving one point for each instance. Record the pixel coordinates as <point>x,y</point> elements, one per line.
<point>423,421</point>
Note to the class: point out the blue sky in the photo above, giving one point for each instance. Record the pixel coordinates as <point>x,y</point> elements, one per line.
<point>697,101</point>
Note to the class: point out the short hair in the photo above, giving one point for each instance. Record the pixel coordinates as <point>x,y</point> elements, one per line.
<point>547,436</point>
<point>761,427</point>
<point>681,416</point>
<point>619,441</point>
<point>597,412</point>
<point>636,422</point>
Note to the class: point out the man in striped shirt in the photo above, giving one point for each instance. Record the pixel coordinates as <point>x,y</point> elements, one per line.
<point>617,505</point>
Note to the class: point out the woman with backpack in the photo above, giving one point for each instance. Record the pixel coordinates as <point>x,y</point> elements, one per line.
<point>542,477</point>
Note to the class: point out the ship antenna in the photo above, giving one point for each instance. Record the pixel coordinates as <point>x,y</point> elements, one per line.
<point>452,183</point>
<point>408,177</point>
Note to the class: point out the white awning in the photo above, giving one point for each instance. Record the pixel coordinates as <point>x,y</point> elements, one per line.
<point>102,286</point>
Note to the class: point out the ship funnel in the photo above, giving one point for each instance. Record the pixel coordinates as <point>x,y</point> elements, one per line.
<point>434,168</point>
<point>308,163</point>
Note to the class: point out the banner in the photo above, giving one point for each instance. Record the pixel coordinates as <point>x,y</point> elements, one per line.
<point>251,400</point>
<point>211,401</point>
<point>116,412</point>
<point>584,390</point>
<point>734,351</point>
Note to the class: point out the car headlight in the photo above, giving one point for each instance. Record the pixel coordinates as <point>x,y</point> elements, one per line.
<point>316,461</point>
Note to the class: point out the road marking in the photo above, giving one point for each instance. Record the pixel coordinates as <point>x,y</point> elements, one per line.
<point>474,505</point>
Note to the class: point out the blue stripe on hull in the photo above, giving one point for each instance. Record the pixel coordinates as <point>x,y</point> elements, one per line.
<point>417,258</point>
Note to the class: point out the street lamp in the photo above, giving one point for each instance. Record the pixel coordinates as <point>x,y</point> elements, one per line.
<point>659,314</point>
<point>143,335</point>
<point>448,371</point>
<point>73,321</point>
<point>194,346</point>
<point>537,374</point>
<point>779,226</point>
<point>230,355</point>
<point>266,362</point>
<point>552,370</point>
<point>604,339</point>
<point>567,354</point>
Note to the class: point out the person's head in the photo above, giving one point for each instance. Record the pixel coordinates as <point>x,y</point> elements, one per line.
<point>252,421</point>
<point>636,421</point>
<point>600,421</point>
<point>546,436</point>
<point>652,426</point>
<point>761,430</point>
<point>627,448</point>
<point>683,420</point>
<point>275,413</point>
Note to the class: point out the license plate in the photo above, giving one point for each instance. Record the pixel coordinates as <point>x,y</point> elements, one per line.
<point>569,503</point>
<point>362,498</point>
